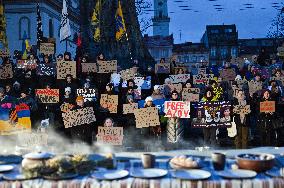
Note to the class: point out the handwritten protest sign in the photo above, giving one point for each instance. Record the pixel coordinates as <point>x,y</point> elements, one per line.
<point>107,66</point>
<point>88,94</point>
<point>129,108</point>
<point>46,70</point>
<point>228,74</point>
<point>89,67</point>
<point>66,67</point>
<point>78,117</point>
<point>191,90</point>
<point>179,78</point>
<point>175,87</point>
<point>146,117</point>
<point>235,89</point>
<point>191,97</point>
<point>4,53</point>
<point>178,109</point>
<point>109,102</point>
<point>163,68</point>
<point>110,135</point>
<point>127,74</point>
<point>202,78</point>
<point>242,110</point>
<point>280,79</point>
<point>26,64</point>
<point>66,107</point>
<point>142,83</point>
<point>6,72</point>
<point>159,103</point>
<point>47,48</point>
<point>48,95</point>
<point>254,86</point>
<point>267,106</point>
<point>33,139</point>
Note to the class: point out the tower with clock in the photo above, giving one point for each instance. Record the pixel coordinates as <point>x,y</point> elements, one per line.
<point>161,20</point>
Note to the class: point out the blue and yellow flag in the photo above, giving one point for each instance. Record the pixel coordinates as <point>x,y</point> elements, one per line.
<point>119,21</point>
<point>96,21</point>
<point>25,47</point>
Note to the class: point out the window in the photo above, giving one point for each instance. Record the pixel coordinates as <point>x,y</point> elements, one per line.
<point>186,59</point>
<point>194,58</point>
<point>214,31</point>
<point>160,14</point>
<point>24,28</point>
<point>234,52</point>
<point>51,28</point>
<point>223,52</point>
<point>213,51</point>
<point>228,30</point>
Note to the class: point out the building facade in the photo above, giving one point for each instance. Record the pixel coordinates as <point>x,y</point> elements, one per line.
<point>191,53</point>
<point>21,17</point>
<point>159,46</point>
<point>222,42</point>
<point>161,20</point>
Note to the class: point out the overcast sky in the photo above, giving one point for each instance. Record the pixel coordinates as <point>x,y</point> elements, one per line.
<point>251,22</point>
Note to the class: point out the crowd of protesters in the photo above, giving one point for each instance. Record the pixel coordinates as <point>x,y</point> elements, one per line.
<point>252,130</point>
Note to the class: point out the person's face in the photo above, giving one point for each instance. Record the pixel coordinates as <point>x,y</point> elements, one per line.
<point>227,112</point>
<point>131,84</point>
<point>69,79</point>
<point>101,56</point>
<point>23,95</point>
<point>278,74</point>
<point>67,93</point>
<point>1,95</point>
<point>219,80</point>
<point>66,57</point>
<point>180,71</point>
<point>149,103</point>
<point>199,114</point>
<point>130,91</point>
<point>266,95</point>
<point>80,102</point>
<point>108,88</point>
<point>46,59</point>
<point>208,94</point>
<point>162,61</point>
<point>188,85</point>
<point>174,96</point>
<point>8,88</point>
<point>241,95</point>
<point>48,87</point>
<point>32,57</point>
<point>130,100</point>
<point>28,75</point>
<point>84,60</point>
<point>108,123</point>
<point>257,78</point>
<point>60,58</point>
<point>273,84</point>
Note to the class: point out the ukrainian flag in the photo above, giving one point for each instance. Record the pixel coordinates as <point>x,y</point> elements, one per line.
<point>25,47</point>
<point>96,21</point>
<point>120,24</point>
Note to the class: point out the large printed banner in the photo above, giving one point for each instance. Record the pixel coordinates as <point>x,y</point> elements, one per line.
<point>146,117</point>
<point>26,64</point>
<point>179,78</point>
<point>228,74</point>
<point>66,67</point>
<point>142,83</point>
<point>107,66</point>
<point>109,102</point>
<point>47,48</point>
<point>163,68</point>
<point>88,94</point>
<point>110,135</point>
<point>48,95</point>
<point>202,78</point>
<point>212,114</point>
<point>129,108</point>
<point>78,117</point>
<point>267,106</point>
<point>178,109</point>
<point>89,67</point>
<point>6,72</point>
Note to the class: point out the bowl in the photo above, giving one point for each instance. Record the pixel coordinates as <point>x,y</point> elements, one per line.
<point>256,162</point>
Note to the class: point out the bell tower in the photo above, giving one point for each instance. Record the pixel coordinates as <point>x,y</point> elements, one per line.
<point>161,20</point>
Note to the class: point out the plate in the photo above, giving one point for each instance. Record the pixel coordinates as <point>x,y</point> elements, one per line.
<point>274,172</point>
<point>61,177</point>
<point>6,168</point>
<point>149,173</point>
<point>14,177</point>
<point>38,155</point>
<point>191,174</point>
<point>110,174</point>
<point>237,174</point>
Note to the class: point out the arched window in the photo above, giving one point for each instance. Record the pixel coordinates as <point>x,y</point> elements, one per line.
<point>51,28</point>
<point>24,28</point>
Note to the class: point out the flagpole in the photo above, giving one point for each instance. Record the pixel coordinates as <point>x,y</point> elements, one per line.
<point>66,49</point>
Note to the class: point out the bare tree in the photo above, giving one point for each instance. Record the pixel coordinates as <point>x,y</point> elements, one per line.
<point>276,29</point>
<point>142,8</point>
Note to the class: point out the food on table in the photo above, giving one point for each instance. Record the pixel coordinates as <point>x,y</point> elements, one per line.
<point>62,164</point>
<point>256,162</point>
<point>184,162</point>
<point>108,162</point>
<point>83,164</point>
<point>32,168</point>
<point>256,156</point>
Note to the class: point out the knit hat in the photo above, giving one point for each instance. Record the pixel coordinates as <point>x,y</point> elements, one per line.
<point>79,98</point>
<point>238,77</point>
<point>148,99</point>
<point>68,89</point>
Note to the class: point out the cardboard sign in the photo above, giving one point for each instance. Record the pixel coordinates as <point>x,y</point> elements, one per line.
<point>109,102</point>
<point>254,86</point>
<point>26,64</point>
<point>6,71</point>
<point>107,66</point>
<point>202,78</point>
<point>163,68</point>
<point>4,53</point>
<point>146,117</point>
<point>88,94</point>
<point>191,90</point>
<point>48,95</point>
<point>78,117</point>
<point>129,108</point>
<point>46,70</point>
<point>142,83</point>
<point>89,67</point>
<point>212,114</point>
<point>176,87</point>
<point>180,70</point>
<point>228,74</point>
<point>191,97</point>
<point>110,135</point>
<point>66,107</point>
<point>66,67</point>
<point>159,103</point>
<point>33,139</point>
<point>46,48</point>
<point>179,78</point>
<point>239,109</point>
<point>281,79</point>
<point>235,90</point>
<point>267,106</point>
<point>178,109</point>
<point>127,74</point>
